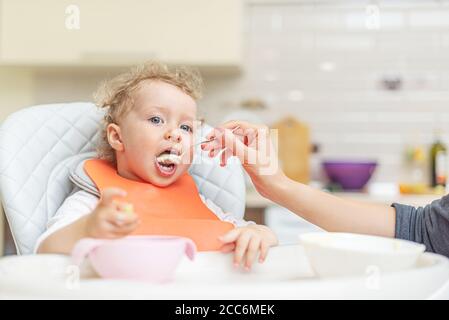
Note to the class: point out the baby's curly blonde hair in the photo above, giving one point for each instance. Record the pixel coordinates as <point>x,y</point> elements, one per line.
<point>116,95</point>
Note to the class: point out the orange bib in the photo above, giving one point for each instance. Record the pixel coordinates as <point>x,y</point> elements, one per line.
<point>174,210</point>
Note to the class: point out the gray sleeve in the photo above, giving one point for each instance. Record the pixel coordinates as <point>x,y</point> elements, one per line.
<point>428,225</point>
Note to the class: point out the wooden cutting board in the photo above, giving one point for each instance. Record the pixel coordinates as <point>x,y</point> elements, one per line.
<point>294,148</point>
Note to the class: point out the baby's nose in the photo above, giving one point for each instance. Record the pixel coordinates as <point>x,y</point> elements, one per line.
<point>173,135</point>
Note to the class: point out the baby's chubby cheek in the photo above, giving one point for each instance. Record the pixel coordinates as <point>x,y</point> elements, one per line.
<point>188,157</point>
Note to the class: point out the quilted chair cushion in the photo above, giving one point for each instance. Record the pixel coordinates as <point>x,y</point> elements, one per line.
<point>225,186</point>
<point>39,148</point>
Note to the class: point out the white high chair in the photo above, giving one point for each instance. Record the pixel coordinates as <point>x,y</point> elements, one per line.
<point>42,145</point>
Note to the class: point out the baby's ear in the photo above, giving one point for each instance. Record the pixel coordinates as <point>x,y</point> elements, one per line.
<point>114,137</point>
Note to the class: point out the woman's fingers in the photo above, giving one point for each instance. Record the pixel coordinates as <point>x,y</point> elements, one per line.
<point>236,140</point>
<point>216,138</point>
<point>240,125</point>
<point>211,145</point>
<point>217,148</point>
<point>214,134</point>
<point>229,141</point>
<point>214,152</point>
<point>231,133</point>
<point>225,155</point>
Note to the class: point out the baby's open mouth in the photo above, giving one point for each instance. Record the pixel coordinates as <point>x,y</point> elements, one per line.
<point>167,161</point>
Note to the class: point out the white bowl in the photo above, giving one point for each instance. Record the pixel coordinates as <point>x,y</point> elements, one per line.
<point>346,254</point>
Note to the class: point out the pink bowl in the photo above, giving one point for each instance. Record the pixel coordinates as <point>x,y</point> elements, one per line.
<point>147,258</point>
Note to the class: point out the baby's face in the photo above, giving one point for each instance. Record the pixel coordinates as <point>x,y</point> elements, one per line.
<point>157,134</point>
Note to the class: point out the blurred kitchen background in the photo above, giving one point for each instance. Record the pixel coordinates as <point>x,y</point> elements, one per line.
<point>354,87</point>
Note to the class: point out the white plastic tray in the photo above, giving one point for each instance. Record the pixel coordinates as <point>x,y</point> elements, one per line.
<point>286,274</point>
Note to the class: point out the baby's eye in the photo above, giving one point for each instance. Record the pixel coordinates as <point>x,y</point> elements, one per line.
<point>156,120</point>
<point>186,127</point>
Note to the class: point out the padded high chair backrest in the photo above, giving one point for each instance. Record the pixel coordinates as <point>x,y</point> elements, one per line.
<point>41,145</point>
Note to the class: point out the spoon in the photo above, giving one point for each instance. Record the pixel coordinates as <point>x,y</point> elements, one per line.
<point>209,140</point>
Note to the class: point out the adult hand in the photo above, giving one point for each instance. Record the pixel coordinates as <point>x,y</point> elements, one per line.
<point>253,145</point>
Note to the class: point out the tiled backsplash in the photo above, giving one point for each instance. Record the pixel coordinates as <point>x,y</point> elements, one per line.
<point>324,61</point>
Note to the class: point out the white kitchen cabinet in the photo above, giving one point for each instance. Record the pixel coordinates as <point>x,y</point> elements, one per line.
<point>120,32</point>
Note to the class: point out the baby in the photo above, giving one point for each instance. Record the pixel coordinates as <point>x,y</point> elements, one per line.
<point>147,146</point>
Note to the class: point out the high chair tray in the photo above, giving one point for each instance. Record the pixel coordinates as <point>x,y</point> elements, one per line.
<point>286,274</point>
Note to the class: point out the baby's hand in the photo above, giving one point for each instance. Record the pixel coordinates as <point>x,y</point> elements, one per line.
<point>248,242</point>
<point>111,218</point>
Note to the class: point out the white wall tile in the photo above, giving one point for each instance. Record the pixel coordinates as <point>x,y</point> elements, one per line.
<point>349,113</point>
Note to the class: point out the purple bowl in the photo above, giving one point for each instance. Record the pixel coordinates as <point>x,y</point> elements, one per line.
<point>350,175</point>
